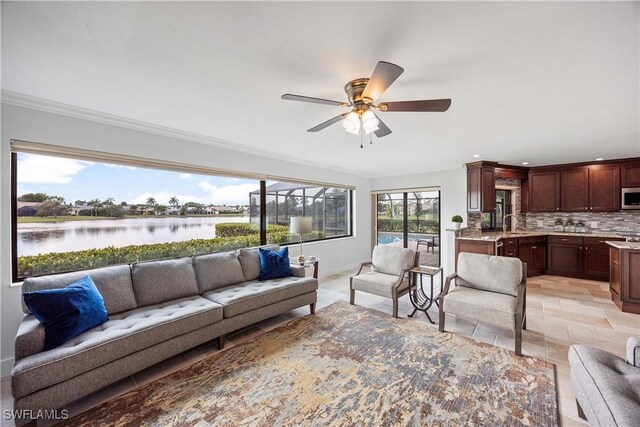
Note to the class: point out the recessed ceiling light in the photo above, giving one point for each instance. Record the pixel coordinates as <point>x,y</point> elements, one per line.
<point>475,156</point>
<point>599,158</point>
<point>525,163</point>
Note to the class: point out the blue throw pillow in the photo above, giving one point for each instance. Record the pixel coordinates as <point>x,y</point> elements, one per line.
<point>67,312</point>
<point>274,264</point>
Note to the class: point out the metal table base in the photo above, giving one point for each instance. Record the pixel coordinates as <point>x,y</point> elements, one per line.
<point>419,299</point>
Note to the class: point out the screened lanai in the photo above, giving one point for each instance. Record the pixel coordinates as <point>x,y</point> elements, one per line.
<point>328,206</point>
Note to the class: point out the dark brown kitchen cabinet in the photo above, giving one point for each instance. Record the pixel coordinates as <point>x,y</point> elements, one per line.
<point>596,258</point>
<point>630,174</point>
<point>565,256</point>
<point>575,256</point>
<point>509,248</point>
<point>574,190</point>
<point>485,247</point>
<point>544,191</point>
<point>624,283</point>
<point>481,187</point>
<point>604,188</point>
<point>533,252</point>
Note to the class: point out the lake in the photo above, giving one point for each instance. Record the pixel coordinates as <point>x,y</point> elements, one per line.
<point>35,238</point>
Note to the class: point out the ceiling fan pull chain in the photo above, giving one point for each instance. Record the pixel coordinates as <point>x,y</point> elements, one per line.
<point>370,138</point>
<point>361,139</point>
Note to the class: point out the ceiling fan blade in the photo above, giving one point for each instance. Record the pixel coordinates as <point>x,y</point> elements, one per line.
<point>328,123</point>
<point>434,105</point>
<point>383,130</point>
<point>382,77</point>
<point>290,97</point>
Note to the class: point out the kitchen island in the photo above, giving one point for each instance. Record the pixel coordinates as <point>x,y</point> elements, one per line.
<point>624,282</point>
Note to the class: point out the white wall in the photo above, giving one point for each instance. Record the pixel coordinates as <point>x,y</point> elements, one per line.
<point>38,126</point>
<point>453,200</point>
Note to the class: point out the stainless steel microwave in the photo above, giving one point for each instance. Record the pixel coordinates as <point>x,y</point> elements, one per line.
<point>631,198</point>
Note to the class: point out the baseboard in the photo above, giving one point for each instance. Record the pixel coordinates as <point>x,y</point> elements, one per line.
<point>6,366</point>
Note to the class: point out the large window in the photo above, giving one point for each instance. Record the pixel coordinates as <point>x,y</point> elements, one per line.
<point>410,220</point>
<point>328,207</point>
<point>72,214</point>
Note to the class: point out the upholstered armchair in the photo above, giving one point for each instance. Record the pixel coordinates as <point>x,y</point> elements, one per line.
<point>606,386</point>
<point>489,289</point>
<point>388,275</point>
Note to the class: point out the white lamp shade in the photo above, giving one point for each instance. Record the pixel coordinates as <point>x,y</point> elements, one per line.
<point>300,224</point>
<point>351,123</point>
<point>369,122</point>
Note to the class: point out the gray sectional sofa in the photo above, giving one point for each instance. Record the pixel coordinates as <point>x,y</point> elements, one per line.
<point>156,309</point>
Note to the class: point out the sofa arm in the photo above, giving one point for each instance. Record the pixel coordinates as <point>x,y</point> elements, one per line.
<point>298,271</point>
<point>30,338</point>
<point>633,351</point>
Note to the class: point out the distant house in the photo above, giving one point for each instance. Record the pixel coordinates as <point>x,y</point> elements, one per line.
<point>77,209</point>
<point>172,211</point>
<point>27,208</point>
<point>225,210</point>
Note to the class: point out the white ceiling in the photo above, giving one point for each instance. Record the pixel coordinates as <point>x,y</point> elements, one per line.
<point>539,82</point>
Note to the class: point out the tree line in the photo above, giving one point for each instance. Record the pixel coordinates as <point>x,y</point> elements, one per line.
<point>57,206</point>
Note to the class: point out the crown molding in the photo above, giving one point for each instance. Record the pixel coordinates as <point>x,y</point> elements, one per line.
<point>40,104</point>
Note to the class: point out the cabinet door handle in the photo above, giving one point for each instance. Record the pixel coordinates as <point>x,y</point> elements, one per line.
<point>564,240</point>
<point>534,247</point>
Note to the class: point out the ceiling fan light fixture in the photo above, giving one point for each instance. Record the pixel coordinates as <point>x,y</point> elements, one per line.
<point>351,123</point>
<point>369,122</point>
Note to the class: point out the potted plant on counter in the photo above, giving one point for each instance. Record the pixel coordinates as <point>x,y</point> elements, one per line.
<point>456,220</point>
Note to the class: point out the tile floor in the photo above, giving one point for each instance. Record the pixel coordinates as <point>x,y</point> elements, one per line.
<point>560,312</point>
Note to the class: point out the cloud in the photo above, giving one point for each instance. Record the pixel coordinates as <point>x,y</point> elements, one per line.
<point>185,176</point>
<point>228,194</point>
<point>110,165</point>
<point>34,169</point>
<point>162,198</point>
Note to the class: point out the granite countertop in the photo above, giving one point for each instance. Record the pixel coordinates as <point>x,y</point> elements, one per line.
<point>495,236</point>
<point>624,245</point>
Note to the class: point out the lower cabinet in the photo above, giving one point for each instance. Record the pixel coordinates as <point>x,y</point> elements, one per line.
<point>565,256</point>
<point>575,256</point>
<point>533,251</point>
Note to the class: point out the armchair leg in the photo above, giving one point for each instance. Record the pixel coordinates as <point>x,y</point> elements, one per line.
<point>518,348</point>
<point>312,308</point>
<point>352,296</point>
<point>581,411</point>
<point>441,317</point>
<point>395,307</point>
<point>221,340</point>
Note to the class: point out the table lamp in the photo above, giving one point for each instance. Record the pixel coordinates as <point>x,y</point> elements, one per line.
<point>300,225</point>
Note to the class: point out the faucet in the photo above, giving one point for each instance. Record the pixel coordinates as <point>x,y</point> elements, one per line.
<point>504,222</point>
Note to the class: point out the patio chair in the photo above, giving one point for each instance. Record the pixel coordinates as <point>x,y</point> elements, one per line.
<point>430,242</point>
<point>389,274</point>
<point>488,289</point>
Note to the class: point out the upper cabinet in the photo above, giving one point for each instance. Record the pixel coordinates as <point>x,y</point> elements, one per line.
<point>544,191</point>
<point>631,174</point>
<point>574,190</point>
<point>481,187</point>
<point>593,188</point>
<point>604,188</point>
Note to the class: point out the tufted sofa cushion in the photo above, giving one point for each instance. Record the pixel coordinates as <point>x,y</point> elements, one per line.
<point>217,270</point>
<point>114,284</point>
<point>121,335</point>
<point>155,282</point>
<point>238,299</point>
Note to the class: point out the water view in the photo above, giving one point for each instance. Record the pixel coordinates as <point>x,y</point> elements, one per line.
<point>36,238</point>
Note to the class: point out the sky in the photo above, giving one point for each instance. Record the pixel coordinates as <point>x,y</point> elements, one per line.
<point>83,180</point>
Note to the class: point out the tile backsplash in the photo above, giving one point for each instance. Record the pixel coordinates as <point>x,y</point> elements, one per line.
<point>623,221</point>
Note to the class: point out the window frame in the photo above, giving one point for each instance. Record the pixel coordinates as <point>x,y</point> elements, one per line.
<point>15,279</point>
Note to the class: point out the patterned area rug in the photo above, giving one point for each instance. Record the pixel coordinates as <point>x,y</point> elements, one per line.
<point>344,366</point>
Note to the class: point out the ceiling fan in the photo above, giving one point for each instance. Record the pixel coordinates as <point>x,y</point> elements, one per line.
<point>362,94</point>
